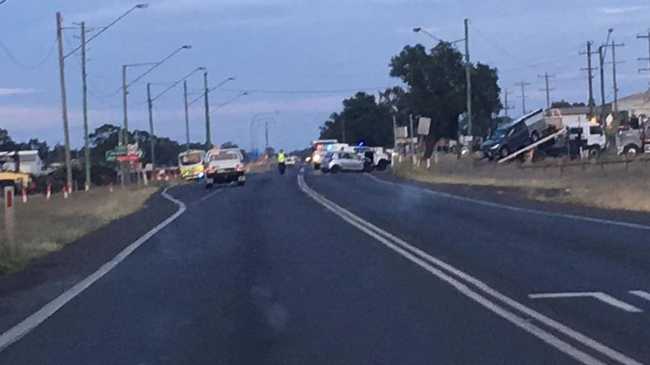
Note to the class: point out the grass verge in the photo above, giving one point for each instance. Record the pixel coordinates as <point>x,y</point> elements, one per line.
<point>41,226</point>
<point>615,187</point>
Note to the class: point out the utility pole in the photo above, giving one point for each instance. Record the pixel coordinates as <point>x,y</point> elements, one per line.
<point>547,87</point>
<point>507,107</point>
<point>84,81</point>
<point>468,78</point>
<point>614,78</point>
<point>523,85</point>
<point>646,59</point>
<point>601,59</point>
<point>208,132</point>
<point>152,137</point>
<point>187,115</point>
<point>590,77</point>
<point>266,134</point>
<point>64,102</point>
<point>125,92</point>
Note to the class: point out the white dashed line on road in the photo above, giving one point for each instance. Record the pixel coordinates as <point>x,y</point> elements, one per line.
<point>605,298</point>
<point>641,294</point>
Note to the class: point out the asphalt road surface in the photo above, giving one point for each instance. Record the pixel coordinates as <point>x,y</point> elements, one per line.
<point>349,269</point>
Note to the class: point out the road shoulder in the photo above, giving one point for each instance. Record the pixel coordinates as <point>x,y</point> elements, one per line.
<point>517,197</point>
<point>22,293</point>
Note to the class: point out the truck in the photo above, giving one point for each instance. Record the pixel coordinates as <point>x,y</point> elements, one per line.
<point>224,165</point>
<point>16,173</point>
<point>631,142</point>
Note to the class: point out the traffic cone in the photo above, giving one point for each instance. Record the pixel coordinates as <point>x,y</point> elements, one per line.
<point>24,195</point>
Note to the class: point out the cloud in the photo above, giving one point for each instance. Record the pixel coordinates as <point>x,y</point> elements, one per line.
<point>621,10</point>
<point>16,91</point>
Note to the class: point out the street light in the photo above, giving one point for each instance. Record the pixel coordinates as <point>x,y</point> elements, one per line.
<point>125,85</point>
<point>150,101</point>
<point>422,30</point>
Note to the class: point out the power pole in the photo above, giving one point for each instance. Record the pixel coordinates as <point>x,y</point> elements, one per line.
<point>266,134</point>
<point>64,102</point>
<point>614,45</point>
<point>547,87</point>
<point>523,85</point>
<point>187,116</point>
<point>152,137</point>
<point>601,59</point>
<point>507,107</point>
<point>468,78</point>
<point>208,132</point>
<point>590,77</point>
<point>645,36</point>
<point>125,139</point>
<point>84,81</point>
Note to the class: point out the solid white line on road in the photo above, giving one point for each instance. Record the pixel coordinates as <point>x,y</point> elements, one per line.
<point>641,294</point>
<point>435,266</point>
<point>34,320</point>
<point>605,298</point>
<point>513,208</point>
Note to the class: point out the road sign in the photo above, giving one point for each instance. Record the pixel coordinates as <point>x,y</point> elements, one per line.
<point>401,132</point>
<point>128,158</point>
<point>424,125</point>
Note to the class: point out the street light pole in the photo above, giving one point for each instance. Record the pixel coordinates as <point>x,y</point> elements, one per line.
<point>468,78</point>
<point>84,81</point>
<point>187,115</point>
<point>152,137</point>
<point>125,92</point>
<point>64,101</point>
<point>208,132</point>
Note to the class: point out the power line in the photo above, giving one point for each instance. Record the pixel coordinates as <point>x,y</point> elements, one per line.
<point>333,91</point>
<point>23,65</point>
<point>507,107</point>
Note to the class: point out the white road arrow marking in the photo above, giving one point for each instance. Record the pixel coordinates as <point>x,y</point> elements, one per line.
<point>605,298</point>
<point>641,294</point>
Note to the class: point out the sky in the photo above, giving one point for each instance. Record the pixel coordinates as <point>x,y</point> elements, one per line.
<point>298,59</point>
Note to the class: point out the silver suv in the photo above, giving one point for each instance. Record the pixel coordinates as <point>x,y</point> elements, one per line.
<point>335,162</point>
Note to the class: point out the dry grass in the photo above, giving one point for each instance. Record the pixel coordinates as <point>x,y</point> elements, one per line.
<point>42,226</point>
<point>611,187</point>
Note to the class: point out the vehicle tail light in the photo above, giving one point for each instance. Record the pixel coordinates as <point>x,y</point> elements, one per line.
<point>239,167</point>
<point>211,169</point>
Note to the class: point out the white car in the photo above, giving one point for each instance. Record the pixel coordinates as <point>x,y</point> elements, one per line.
<point>291,161</point>
<point>224,166</point>
<point>335,162</point>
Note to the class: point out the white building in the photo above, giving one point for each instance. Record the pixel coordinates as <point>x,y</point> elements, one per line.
<point>30,162</point>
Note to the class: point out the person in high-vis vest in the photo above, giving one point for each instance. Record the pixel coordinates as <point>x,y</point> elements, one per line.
<point>282,159</point>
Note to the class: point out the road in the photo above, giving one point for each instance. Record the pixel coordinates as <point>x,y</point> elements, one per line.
<point>349,269</point>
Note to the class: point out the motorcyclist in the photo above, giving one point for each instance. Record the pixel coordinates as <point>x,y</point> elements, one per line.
<point>282,159</point>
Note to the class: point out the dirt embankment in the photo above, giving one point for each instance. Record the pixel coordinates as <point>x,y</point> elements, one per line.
<point>613,186</point>
<point>41,226</point>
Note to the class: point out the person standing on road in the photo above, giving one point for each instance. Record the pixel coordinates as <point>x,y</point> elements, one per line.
<point>282,159</point>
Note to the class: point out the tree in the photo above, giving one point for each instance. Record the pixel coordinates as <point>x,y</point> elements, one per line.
<point>229,144</point>
<point>437,89</point>
<point>364,119</point>
<point>565,104</point>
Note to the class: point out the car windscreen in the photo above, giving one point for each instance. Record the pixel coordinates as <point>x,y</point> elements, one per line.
<point>191,159</point>
<point>224,156</point>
